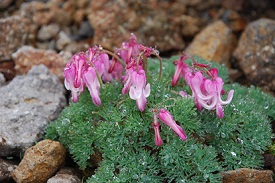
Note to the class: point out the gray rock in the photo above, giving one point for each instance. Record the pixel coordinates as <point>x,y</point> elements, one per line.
<point>2,79</point>
<point>63,40</point>
<point>255,53</point>
<point>65,175</point>
<point>47,32</point>
<point>27,104</point>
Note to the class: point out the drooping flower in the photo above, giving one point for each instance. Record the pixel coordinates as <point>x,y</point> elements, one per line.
<point>168,119</point>
<point>85,69</point>
<point>181,69</point>
<point>195,81</point>
<point>91,81</point>
<point>101,62</point>
<point>129,50</point>
<point>73,75</point>
<point>158,140</point>
<point>207,92</point>
<point>139,91</point>
<point>156,126</point>
<point>127,80</point>
<point>214,88</point>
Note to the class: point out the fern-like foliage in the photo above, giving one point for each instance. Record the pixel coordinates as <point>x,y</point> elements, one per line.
<point>124,137</point>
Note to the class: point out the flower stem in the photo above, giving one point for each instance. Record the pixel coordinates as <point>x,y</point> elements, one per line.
<point>115,56</point>
<point>160,65</point>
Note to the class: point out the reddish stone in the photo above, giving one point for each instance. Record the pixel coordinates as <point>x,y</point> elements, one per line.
<point>154,23</point>
<point>14,31</point>
<point>28,56</point>
<point>247,175</point>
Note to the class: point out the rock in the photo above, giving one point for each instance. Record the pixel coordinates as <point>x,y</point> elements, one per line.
<point>85,31</point>
<point>234,21</point>
<point>6,167</point>
<point>14,31</point>
<point>2,79</point>
<point>79,16</point>
<point>114,21</point>
<point>190,25</point>
<point>47,45</point>
<point>7,69</point>
<point>215,43</point>
<point>65,43</point>
<point>5,4</point>
<point>255,53</point>
<point>247,175</point>
<point>40,162</point>
<point>27,104</point>
<point>28,56</point>
<point>37,12</point>
<point>61,17</point>
<point>65,175</point>
<point>43,13</point>
<point>75,47</point>
<point>47,32</point>
<point>63,40</point>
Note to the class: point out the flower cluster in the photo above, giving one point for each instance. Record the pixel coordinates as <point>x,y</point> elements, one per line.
<point>129,64</point>
<point>87,69</point>
<point>135,56</point>
<point>206,91</point>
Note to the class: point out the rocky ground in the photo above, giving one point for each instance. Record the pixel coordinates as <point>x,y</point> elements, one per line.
<point>37,39</point>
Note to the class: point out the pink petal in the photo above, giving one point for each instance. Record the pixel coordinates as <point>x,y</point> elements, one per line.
<point>229,98</point>
<point>147,90</point>
<point>167,118</point>
<point>206,105</point>
<point>141,103</point>
<point>214,73</point>
<point>177,73</point>
<point>134,93</point>
<point>195,83</point>
<point>93,85</point>
<point>219,111</point>
<point>158,140</point>
<point>79,69</point>
<point>183,93</point>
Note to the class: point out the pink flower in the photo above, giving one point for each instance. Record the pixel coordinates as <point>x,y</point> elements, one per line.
<point>158,140</point>
<point>138,90</point>
<point>73,75</point>
<point>130,49</point>
<point>93,85</point>
<point>207,92</point>
<point>214,88</point>
<point>82,71</point>
<point>167,118</point>
<point>195,81</point>
<point>116,70</point>
<point>127,80</point>
<point>181,69</point>
<point>101,62</point>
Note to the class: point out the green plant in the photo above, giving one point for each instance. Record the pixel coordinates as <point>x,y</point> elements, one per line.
<point>123,135</point>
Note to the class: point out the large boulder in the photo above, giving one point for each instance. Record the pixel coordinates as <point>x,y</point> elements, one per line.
<point>27,104</point>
